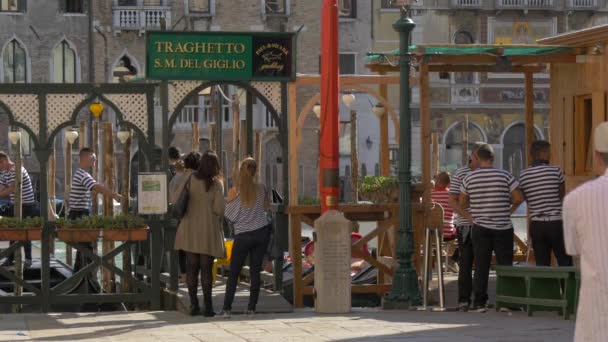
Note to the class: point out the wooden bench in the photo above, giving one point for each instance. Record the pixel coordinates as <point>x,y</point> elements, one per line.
<point>537,288</point>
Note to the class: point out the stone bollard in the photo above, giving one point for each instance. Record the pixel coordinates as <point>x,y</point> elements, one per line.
<point>332,263</point>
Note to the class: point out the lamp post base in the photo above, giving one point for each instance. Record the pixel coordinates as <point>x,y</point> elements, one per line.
<point>404,294</point>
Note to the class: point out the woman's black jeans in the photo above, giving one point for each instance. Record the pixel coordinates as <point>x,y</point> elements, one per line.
<point>253,244</point>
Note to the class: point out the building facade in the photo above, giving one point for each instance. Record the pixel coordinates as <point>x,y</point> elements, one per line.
<point>493,102</point>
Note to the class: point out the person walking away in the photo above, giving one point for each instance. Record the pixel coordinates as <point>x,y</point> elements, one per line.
<point>247,209</point>
<point>175,156</point>
<point>200,232</point>
<point>543,187</point>
<point>80,196</point>
<point>183,171</point>
<point>492,195</point>
<point>463,231</point>
<point>586,238</point>
<point>28,202</point>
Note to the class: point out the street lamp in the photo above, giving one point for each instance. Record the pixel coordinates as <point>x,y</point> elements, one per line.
<point>123,136</point>
<point>404,292</point>
<point>378,110</point>
<point>14,137</point>
<point>317,110</point>
<point>71,136</point>
<point>96,108</point>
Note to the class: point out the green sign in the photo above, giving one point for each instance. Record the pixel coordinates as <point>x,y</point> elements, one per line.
<point>220,56</point>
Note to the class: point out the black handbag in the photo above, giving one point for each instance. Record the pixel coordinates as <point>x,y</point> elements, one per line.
<point>181,205</point>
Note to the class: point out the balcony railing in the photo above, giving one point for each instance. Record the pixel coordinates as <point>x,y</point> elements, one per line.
<point>583,4</point>
<point>525,4</point>
<point>466,3</point>
<point>140,17</point>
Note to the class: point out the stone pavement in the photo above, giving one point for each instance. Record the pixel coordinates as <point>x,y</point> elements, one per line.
<point>301,325</point>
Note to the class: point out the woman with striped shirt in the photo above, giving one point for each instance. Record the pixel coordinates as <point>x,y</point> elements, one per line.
<point>247,209</point>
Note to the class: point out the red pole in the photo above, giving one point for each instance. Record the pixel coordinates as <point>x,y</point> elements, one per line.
<point>329,157</point>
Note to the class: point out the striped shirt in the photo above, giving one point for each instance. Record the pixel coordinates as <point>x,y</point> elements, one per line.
<point>247,219</point>
<point>585,235</point>
<point>489,190</point>
<point>455,184</point>
<point>80,193</point>
<point>27,192</point>
<point>441,196</point>
<point>540,184</point>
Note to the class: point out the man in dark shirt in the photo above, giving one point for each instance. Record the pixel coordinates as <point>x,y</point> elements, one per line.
<point>543,187</point>
<point>492,195</point>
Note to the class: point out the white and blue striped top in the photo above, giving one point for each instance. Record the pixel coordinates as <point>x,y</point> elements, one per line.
<point>489,190</point>
<point>27,192</point>
<point>247,219</point>
<point>455,184</point>
<point>80,193</point>
<point>541,184</point>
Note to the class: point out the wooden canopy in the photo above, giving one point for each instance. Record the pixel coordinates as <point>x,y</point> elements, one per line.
<point>526,59</point>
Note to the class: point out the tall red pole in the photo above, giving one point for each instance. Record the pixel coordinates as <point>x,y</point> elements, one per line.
<point>329,154</point>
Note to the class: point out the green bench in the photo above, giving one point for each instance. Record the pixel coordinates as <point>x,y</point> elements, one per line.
<point>537,288</point>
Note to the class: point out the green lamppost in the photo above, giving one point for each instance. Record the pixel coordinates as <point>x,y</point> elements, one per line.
<point>404,293</point>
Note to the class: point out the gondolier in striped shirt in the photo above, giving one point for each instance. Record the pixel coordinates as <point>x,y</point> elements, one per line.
<point>29,206</point>
<point>492,195</point>
<point>80,193</point>
<point>543,188</point>
<point>463,231</point>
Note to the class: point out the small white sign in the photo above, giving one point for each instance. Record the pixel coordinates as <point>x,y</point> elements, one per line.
<point>152,193</point>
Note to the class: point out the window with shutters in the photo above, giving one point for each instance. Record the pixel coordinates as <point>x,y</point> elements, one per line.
<point>64,63</point>
<point>275,6</point>
<point>12,6</point>
<point>347,8</point>
<point>14,63</point>
<point>73,6</point>
<point>200,6</point>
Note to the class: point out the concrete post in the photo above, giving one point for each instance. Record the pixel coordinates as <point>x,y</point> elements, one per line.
<point>332,263</point>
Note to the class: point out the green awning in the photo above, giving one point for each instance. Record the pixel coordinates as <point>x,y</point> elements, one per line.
<point>477,50</point>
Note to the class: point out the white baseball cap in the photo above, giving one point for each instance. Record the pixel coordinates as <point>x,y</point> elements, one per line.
<point>600,137</point>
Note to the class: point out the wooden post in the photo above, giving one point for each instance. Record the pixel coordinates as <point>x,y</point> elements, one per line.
<point>294,169</point>
<point>425,131</point>
<point>465,140</point>
<point>195,140</point>
<point>109,278</point>
<point>95,171</point>
<point>52,195</point>
<point>385,167</point>
<point>17,212</point>
<point>212,139</point>
<point>68,186</point>
<point>435,160</point>
<point>243,139</point>
<point>236,134</point>
<point>126,286</point>
<point>529,117</point>
<point>354,156</point>
<point>258,154</point>
<point>296,252</point>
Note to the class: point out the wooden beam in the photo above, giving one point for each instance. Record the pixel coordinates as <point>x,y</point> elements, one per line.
<point>425,131</point>
<point>350,79</point>
<point>484,68</point>
<point>435,153</point>
<point>385,167</point>
<point>294,169</point>
<point>126,285</point>
<point>543,59</point>
<point>296,254</point>
<point>354,156</point>
<point>109,278</point>
<point>195,140</point>
<point>236,121</point>
<point>529,116</point>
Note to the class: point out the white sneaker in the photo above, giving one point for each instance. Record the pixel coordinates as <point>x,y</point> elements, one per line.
<point>224,314</point>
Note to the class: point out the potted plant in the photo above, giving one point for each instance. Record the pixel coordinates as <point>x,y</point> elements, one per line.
<point>16,229</point>
<point>83,229</point>
<point>126,228</point>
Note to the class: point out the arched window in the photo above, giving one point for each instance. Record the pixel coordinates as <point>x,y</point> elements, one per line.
<point>514,148</point>
<point>64,63</point>
<point>453,143</point>
<point>14,61</point>
<point>363,170</point>
<point>123,70</point>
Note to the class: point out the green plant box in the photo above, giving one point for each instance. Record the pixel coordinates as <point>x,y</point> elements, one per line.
<point>20,234</point>
<point>128,234</point>
<point>78,234</point>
